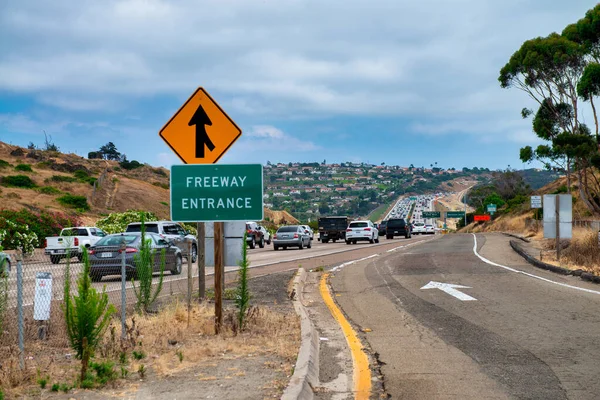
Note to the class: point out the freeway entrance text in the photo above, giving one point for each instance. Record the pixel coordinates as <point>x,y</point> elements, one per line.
<point>204,193</point>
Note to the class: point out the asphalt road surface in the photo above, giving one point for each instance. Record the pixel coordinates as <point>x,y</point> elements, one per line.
<point>509,333</point>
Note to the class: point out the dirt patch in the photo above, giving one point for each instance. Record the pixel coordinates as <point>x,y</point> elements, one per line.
<point>280,217</point>
<point>182,361</point>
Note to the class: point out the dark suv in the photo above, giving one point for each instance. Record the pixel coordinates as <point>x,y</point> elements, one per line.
<point>397,227</point>
<point>382,228</point>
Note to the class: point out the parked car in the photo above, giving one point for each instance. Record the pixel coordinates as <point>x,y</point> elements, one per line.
<point>382,227</point>
<point>266,234</point>
<point>309,231</point>
<point>398,227</point>
<point>105,255</point>
<point>169,230</point>
<point>5,265</point>
<point>291,236</point>
<point>429,229</point>
<point>361,230</point>
<point>254,235</point>
<point>332,228</point>
<point>70,242</point>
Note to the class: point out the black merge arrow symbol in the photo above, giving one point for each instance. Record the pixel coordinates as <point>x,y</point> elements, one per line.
<point>200,119</point>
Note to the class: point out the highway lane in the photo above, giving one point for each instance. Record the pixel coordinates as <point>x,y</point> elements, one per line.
<point>510,336</point>
<point>178,283</point>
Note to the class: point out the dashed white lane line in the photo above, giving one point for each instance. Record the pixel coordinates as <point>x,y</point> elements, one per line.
<point>485,260</point>
<point>339,267</point>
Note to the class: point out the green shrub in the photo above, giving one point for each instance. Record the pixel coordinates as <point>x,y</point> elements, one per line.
<point>81,174</point>
<point>55,387</point>
<point>144,262</point>
<point>164,203</point>
<point>91,180</point>
<point>74,201</point>
<point>49,190</point>
<point>105,371</point>
<point>43,224</point>
<point>117,222</point>
<point>561,189</point>
<point>129,165</point>
<point>20,181</point>
<point>87,315</point>
<point>24,168</point>
<point>60,178</point>
<point>4,164</point>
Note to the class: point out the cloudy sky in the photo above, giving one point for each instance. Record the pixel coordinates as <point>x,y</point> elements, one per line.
<point>389,81</point>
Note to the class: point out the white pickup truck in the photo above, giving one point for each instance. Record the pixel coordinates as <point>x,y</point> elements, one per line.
<point>72,239</point>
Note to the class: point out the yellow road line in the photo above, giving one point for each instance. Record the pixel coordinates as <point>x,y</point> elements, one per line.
<point>360,361</point>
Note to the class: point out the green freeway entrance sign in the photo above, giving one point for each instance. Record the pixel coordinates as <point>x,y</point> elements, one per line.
<point>413,198</point>
<point>431,214</point>
<point>455,214</point>
<point>217,192</point>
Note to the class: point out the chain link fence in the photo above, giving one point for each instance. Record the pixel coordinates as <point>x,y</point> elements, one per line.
<point>34,287</point>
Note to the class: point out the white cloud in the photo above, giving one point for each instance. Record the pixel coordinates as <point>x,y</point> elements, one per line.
<point>435,61</point>
<point>264,142</point>
<point>167,159</point>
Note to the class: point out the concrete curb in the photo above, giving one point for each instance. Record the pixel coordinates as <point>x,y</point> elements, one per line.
<point>517,236</point>
<point>586,276</point>
<point>306,372</point>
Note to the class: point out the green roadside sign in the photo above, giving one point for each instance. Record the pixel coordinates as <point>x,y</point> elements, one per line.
<point>413,198</point>
<point>455,214</point>
<point>431,214</point>
<point>491,208</point>
<point>216,192</point>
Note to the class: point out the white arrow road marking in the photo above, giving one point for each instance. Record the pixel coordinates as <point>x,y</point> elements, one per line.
<point>450,289</point>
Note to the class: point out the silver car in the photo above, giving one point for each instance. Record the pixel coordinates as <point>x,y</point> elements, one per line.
<point>291,236</point>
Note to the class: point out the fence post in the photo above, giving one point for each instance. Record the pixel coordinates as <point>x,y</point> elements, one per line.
<point>20,307</point>
<point>189,281</point>
<point>201,228</point>
<point>123,288</point>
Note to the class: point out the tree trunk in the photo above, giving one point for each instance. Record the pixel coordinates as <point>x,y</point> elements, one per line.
<point>595,120</point>
<point>568,175</point>
<point>583,193</point>
<point>85,359</point>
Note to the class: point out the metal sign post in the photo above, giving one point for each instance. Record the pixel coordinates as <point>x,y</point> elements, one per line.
<point>557,214</point>
<point>201,260</point>
<point>219,267</point>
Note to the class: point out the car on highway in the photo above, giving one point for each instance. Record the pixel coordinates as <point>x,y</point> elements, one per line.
<point>266,234</point>
<point>398,227</point>
<point>291,236</point>
<point>254,235</point>
<point>418,228</point>
<point>70,242</point>
<point>381,228</point>
<point>308,231</point>
<point>106,255</point>
<point>5,265</point>
<point>169,230</point>
<point>429,229</point>
<point>362,231</point>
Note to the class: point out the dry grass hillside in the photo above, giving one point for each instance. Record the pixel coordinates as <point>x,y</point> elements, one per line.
<point>117,189</point>
<point>581,252</point>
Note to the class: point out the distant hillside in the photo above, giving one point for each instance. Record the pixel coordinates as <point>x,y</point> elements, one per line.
<point>538,178</point>
<point>105,185</point>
